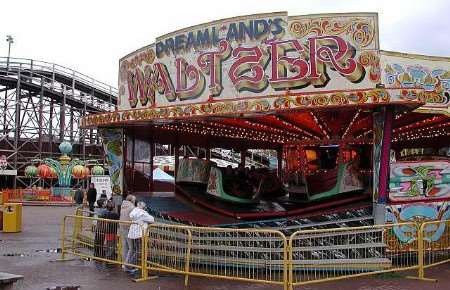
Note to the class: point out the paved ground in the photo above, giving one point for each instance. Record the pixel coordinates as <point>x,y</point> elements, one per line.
<point>32,253</point>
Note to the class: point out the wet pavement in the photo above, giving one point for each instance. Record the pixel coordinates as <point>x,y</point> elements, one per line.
<point>33,253</point>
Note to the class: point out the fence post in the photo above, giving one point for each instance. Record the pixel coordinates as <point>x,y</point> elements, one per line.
<point>290,264</point>
<point>421,254</point>
<point>77,228</point>
<point>144,256</point>
<point>188,258</point>
<point>75,233</point>
<point>63,230</point>
<point>286,262</point>
<point>119,248</point>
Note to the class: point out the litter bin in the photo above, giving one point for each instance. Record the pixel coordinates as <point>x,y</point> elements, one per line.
<point>12,217</point>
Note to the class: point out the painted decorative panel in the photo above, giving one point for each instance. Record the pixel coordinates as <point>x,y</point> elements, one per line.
<point>401,70</point>
<point>434,234</point>
<point>113,146</point>
<point>419,180</point>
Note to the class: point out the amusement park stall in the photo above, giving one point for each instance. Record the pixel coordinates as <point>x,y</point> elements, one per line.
<point>342,116</point>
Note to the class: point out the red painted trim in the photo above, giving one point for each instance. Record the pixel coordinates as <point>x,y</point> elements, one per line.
<point>422,200</point>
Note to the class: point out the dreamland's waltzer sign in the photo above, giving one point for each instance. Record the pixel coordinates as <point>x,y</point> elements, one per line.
<point>251,57</point>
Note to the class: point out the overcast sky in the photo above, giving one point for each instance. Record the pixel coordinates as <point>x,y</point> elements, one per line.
<point>91,35</point>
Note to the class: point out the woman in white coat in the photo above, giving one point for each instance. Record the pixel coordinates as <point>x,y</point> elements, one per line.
<point>140,218</point>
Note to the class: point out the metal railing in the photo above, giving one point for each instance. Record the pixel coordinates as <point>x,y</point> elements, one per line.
<point>263,255</point>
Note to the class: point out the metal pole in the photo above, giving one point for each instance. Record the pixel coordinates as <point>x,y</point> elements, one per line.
<point>17,124</point>
<point>5,112</point>
<point>50,129</point>
<point>280,162</point>
<point>71,124</point>
<point>152,153</point>
<point>125,160</point>
<point>41,117</point>
<point>133,139</point>
<point>177,158</point>
<point>9,52</point>
<point>10,40</point>
<point>62,116</point>
<point>83,135</point>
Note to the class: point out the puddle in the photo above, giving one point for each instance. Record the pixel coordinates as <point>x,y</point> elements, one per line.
<point>64,288</point>
<point>58,250</point>
<point>54,251</point>
<point>16,255</point>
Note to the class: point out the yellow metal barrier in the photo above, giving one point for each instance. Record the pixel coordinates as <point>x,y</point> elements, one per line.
<point>237,254</point>
<point>99,239</point>
<point>259,255</point>
<point>332,254</point>
<point>435,246</point>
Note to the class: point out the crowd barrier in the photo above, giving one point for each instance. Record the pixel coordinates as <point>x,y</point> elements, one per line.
<point>339,253</point>
<point>435,245</point>
<point>259,255</point>
<point>237,254</point>
<point>100,240</point>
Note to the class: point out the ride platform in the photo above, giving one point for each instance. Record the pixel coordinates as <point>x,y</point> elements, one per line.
<point>190,204</point>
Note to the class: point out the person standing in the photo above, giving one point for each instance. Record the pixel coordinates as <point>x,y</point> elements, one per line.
<point>91,196</point>
<point>125,210</point>
<point>140,218</point>
<point>78,196</point>
<point>109,231</point>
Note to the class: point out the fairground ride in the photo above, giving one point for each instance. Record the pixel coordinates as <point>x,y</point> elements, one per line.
<point>340,113</point>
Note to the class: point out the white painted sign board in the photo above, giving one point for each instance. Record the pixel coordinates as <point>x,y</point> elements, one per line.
<point>102,184</point>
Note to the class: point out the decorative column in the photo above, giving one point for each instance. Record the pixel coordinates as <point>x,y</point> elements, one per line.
<point>382,128</point>
<point>114,146</point>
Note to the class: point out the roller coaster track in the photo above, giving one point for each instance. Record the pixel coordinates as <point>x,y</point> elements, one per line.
<point>41,105</point>
<point>57,81</point>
